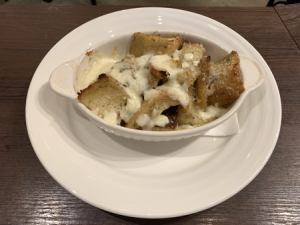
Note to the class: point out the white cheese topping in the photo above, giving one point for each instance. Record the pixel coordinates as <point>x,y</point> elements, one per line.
<point>147,122</point>
<point>111,117</point>
<point>176,91</point>
<point>173,89</point>
<point>133,76</point>
<point>160,120</point>
<point>212,112</point>
<point>188,56</point>
<point>165,63</point>
<point>143,60</point>
<point>89,70</point>
<point>143,120</point>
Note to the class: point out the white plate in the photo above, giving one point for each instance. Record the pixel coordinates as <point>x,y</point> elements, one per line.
<point>142,179</point>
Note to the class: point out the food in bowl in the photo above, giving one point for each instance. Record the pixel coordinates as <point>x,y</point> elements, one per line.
<point>164,83</point>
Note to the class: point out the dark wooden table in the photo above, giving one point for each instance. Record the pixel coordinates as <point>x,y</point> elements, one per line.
<point>28,195</point>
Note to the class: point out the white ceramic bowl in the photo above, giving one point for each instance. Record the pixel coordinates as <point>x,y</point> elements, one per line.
<point>63,77</point>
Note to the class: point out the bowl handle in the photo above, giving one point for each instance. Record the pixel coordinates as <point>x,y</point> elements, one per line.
<point>62,79</point>
<point>252,74</point>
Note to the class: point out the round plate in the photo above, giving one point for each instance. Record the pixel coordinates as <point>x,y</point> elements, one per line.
<point>144,179</point>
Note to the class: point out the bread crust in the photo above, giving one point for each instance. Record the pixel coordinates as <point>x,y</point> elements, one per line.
<point>104,95</point>
<point>201,83</point>
<point>144,43</point>
<point>229,85</point>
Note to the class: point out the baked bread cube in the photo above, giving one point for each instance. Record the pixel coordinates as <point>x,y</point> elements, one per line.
<point>104,96</point>
<point>219,84</point>
<point>225,82</point>
<point>145,43</point>
<point>201,84</point>
<point>192,52</point>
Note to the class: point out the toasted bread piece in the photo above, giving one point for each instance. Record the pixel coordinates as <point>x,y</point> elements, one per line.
<point>190,56</point>
<point>218,84</point>
<point>105,95</point>
<point>202,82</point>
<point>144,43</point>
<point>186,77</point>
<point>225,83</point>
<point>197,50</point>
<point>153,107</point>
<point>197,93</point>
<point>189,115</point>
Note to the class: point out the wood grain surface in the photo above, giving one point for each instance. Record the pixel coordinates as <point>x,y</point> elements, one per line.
<point>28,195</point>
<point>290,15</point>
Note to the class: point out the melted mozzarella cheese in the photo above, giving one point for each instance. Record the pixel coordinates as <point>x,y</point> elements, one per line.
<point>147,122</point>
<point>111,117</point>
<point>176,92</point>
<point>212,112</point>
<point>165,63</point>
<point>188,56</point>
<point>89,70</point>
<point>133,76</point>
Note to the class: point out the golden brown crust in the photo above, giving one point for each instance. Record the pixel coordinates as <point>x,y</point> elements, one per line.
<point>144,43</point>
<point>202,82</point>
<point>89,52</point>
<point>218,84</point>
<point>229,85</point>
